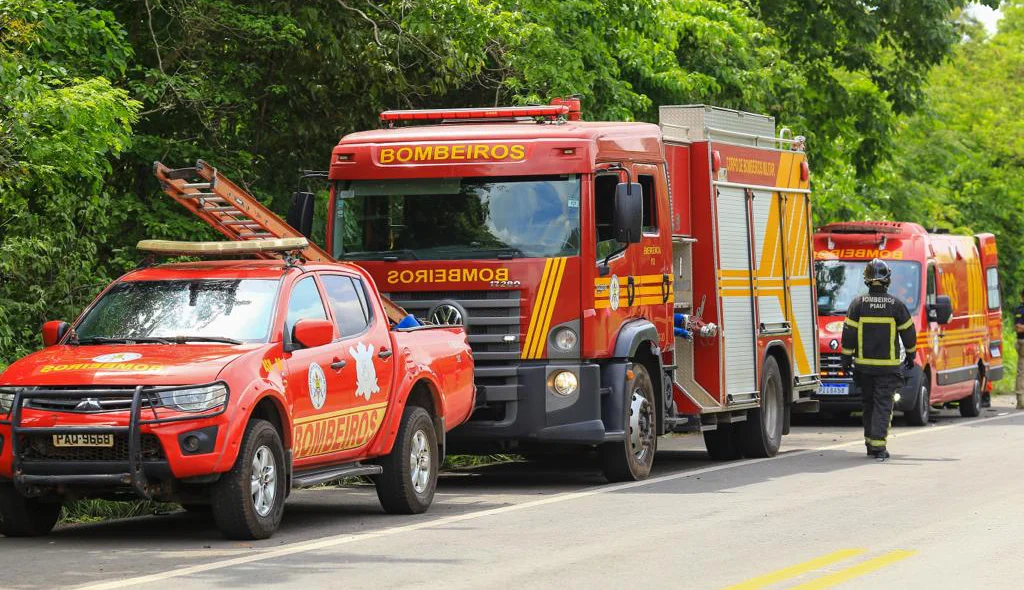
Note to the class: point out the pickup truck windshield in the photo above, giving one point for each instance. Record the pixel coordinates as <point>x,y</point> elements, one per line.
<point>839,281</point>
<point>457,218</point>
<point>182,311</point>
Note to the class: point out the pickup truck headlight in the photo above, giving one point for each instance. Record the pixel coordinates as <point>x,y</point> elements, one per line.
<point>195,399</point>
<point>6,401</point>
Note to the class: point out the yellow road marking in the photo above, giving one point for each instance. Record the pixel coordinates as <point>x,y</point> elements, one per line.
<point>797,570</point>
<point>855,571</point>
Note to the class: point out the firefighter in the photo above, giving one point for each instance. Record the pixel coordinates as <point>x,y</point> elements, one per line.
<point>875,324</point>
<point>1018,326</point>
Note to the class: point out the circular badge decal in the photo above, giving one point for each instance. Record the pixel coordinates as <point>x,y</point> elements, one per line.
<point>117,357</point>
<point>834,326</point>
<point>613,293</point>
<point>317,386</point>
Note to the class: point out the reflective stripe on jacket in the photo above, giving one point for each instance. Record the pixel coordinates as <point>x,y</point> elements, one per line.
<point>875,323</point>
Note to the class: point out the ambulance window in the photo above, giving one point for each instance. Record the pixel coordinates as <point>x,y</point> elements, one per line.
<point>604,214</point>
<point>305,303</point>
<point>347,303</point>
<point>992,280</point>
<point>650,204</point>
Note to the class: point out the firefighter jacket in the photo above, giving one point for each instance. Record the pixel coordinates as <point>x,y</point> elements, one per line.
<point>875,323</point>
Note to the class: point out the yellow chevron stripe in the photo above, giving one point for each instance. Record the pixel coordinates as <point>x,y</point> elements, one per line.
<point>537,348</point>
<point>542,290</point>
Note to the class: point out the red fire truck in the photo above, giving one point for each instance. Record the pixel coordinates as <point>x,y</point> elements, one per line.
<point>951,286</point>
<point>617,280</point>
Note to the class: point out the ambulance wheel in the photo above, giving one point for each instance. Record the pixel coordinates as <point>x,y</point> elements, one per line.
<point>631,459</point>
<point>26,517</point>
<point>409,479</point>
<point>761,434</point>
<point>918,415</point>
<point>970,407</point>
<point>721,443</point>
<point>248,501</point>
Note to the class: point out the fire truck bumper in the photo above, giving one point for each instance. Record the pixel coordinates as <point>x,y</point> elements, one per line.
<point>843,395</point>
<point>538,413</point>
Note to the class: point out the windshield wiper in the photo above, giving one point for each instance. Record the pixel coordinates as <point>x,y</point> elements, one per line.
<point>108,340</point>
<point>184,339</point>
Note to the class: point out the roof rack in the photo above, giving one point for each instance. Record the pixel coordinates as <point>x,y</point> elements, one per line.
<point>560,109</point>
<point>174,248</point>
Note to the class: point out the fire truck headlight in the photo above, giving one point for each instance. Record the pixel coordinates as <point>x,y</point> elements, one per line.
<point>565,383</point>
<point>565,339</point>
<point>196,399</point>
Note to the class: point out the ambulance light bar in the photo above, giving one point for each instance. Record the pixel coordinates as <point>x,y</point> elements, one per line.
<point>173,248</point>
<point>462,114</point>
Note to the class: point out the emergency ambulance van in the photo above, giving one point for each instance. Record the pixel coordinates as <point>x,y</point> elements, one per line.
<point>950,284</point>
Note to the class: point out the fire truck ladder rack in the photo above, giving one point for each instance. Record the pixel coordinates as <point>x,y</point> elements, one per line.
<point>227,207</point>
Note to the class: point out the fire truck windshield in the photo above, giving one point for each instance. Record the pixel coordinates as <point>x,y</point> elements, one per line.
<point>210,310</point>
<point>839,281</point>
<point>457,218</point>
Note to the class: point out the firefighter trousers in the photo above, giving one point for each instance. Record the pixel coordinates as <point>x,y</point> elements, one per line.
<point>876,395</point>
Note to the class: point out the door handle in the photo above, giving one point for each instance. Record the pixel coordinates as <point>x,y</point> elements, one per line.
<point>666,283</point>
<point>630,291</point>
<point>339,364</point>
<point>384,353</point>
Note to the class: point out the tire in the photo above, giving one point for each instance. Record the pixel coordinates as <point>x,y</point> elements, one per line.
<point>26,517</point>
<point>721,443</point>
<point>970,407</point>
<point>760,435</point>
<point>409,479</point>
<point>918,415</point>
<point>197,508</point>
<point>242,507</point>
<point>631,458</point>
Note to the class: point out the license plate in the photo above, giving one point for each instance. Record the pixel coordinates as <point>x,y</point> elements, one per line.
<point>83,440</point>
<point>834,389</point>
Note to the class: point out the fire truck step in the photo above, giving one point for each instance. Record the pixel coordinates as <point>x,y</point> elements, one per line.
<point>322,475</point>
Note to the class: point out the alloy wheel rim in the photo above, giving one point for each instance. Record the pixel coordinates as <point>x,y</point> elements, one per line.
<point>420,462</point>
<point>771,409</point>
<point>641,426</point>
<point>925,403</point>
<point>263,481</point>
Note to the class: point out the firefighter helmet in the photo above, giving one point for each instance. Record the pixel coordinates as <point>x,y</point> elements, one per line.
<point>877,273</point>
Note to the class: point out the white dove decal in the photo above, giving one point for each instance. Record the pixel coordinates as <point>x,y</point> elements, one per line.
<point>366,374</point>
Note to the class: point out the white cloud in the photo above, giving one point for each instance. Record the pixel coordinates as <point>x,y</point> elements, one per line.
<point>987,16</point>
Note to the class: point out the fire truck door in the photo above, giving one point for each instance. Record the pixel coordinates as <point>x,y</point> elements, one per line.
<point>772,295</point>
<point>736,286</point>
<point>615,293</point>
<point>798,237</point>
<point>654,252</point>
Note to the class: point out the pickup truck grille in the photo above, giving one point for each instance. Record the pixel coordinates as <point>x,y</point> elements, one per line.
<point>40,447</point>
<point>493,326</point>
<point>832,366</point>
<point>73,403</point>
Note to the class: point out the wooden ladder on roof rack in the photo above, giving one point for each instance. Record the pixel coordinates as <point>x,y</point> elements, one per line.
<point>227,207</point>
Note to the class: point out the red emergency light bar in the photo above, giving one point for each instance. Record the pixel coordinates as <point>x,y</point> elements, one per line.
<point>462,114</point>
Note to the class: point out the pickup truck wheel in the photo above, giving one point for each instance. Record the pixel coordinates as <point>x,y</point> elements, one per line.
<point>409,477</point>
<point>26,517</point>
<point>248,501</point>
<point>721,443</point>
<point>761,434</point>
<point>970,407</point>
<point>632,458</point>
<point>918,415</point>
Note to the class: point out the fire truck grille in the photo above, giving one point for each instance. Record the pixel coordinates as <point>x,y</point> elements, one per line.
<point>40,447</point>
<point>832,366</point>
<point>492,324</point>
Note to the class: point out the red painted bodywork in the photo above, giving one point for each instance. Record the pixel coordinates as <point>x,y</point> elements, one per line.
<point>975,330</point>
<point>438,359</point>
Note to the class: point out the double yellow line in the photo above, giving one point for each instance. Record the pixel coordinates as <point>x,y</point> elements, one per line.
<point>830,579</point>
<point>544,308</point>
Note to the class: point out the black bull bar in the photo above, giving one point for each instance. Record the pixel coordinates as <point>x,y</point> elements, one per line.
<point>135,476</point>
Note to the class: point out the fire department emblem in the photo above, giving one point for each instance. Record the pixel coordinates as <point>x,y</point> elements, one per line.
<point>117,357</point>
<point>317,386</point>
<point>366,374</point>
<point>613,293</point>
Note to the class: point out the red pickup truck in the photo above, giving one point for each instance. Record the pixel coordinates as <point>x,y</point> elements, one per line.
<point>222,385</point>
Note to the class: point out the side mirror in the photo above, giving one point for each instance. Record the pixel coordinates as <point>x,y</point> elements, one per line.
<point>941,311</point>
<point>300,213</point>
<point>311,333</point>
<point>629,212</point>
<point>53,332</point>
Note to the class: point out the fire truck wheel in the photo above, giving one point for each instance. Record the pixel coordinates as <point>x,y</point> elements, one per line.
<point>26,517</point>
<point>970,407</point>
<point>721,443</point>
<point>631,459</point>
<point>248,501</point>
<point>918,415</point>
<point>409,479</point>
<point>761,433</point>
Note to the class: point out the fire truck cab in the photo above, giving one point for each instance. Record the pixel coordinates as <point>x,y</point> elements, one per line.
<point>949,283</point>
<point>617,280</point>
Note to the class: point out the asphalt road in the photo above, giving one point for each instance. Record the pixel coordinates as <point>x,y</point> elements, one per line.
<point>945,512</point>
